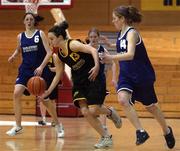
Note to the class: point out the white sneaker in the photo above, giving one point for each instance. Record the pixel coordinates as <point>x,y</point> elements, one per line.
<point>115,118</point>
<point>60,131</point>
<point>15,130</point>
<point>104,142</point>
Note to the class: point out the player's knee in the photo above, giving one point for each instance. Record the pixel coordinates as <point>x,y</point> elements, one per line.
<point>85,112</point>
<point>93,111</point>
<point>16,95</point>
<point>45,102</point>
<point>124,102</point>
<point>152,108</point>
<point>123,98</point>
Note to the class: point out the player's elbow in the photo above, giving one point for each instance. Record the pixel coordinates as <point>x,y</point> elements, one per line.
<point>130,56</point>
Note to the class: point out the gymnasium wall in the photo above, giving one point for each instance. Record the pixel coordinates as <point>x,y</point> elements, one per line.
<point>159,29</point>
<point>94,12</point>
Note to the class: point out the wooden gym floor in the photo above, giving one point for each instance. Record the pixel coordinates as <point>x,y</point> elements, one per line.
<point>79,136</point>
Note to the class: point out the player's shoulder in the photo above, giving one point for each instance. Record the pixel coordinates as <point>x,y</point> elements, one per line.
<point>41,32</point>
<point>132,32</point>
<point>19,35</point>
<point>74,42</point>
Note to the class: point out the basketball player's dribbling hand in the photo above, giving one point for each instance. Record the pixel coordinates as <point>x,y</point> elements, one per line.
<point>93,73</point>
<point>44,95</point>
<point>38,71</point>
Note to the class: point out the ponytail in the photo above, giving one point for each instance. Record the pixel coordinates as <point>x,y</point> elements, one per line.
<point>60,29</point>
<point>130,13</point>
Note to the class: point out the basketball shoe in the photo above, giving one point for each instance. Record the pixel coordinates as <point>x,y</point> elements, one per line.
<point>141,137</point>
<point>104,142</point>
<point>170,140</point>
<point>60,131</point>
<point>115,117</point>
<point>15,130</point>
<point>41,122</point>
<point>53,124</point>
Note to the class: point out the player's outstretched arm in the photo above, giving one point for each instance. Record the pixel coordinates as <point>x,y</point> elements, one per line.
<point>17,50</point>
<point>107,42</point>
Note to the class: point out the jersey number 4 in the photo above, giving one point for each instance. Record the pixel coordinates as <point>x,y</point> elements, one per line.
<point>123,44</point>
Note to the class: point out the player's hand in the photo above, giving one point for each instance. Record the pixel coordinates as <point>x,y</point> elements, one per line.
<point>52,69</point>
<point>11,59</point>
<point>38,71</point>
<point>93,73</point>
<point>106,58</point>
<point>43,96</point>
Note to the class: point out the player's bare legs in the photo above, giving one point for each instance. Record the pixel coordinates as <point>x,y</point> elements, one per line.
<point>106,140</point>
<point>110,112</point>
<point>91,113</point>
<point>103,119</point>
<point>18,92</point>
<point>93,120</point>
<point>167,130</point>
<point>43,114</point>
<point>123,98</point>
<point>52,111</point>
<point>156,112</point>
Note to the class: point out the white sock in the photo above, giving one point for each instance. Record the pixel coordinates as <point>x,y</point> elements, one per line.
<point>44,118</point>
<point>142,130</point>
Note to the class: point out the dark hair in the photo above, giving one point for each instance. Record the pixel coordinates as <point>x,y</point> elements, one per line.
<point>60,29</point>
<point>37,18</point>
<point>94,30</point>
<point>130,13</point>
<point>87,40</point>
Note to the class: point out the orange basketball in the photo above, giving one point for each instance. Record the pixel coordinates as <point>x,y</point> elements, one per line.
<point>36,85</point>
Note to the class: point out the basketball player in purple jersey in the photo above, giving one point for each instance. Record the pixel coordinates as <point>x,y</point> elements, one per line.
<point>35,55</point>
<point>137,77</point>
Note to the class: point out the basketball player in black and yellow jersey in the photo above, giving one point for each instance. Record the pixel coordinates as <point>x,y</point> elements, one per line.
<point>88,92</point>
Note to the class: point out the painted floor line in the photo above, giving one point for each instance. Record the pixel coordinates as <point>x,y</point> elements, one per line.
<point>23,123</point>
